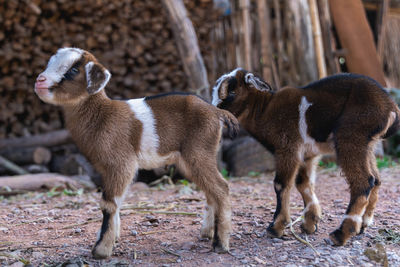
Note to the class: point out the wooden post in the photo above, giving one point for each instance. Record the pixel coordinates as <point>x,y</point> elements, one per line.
<point>380,25</point>
<point>264,22</point>
<point>332,63</point>
<point>186,40</point>
<point>245,8</point>
<point>356,37</point>
<point>318,44</point>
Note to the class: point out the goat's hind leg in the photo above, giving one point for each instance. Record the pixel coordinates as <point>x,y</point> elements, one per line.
<point>207,227</point>
<point>373,197</point>
<point>217,221</point>
<point>305,182</point>
<point>355,163</point>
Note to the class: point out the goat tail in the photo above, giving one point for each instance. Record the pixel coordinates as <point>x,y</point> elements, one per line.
<point>230,122</point>
<point>393,123</point>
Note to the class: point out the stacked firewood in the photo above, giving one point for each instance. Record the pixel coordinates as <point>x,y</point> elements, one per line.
<point>133,39</point>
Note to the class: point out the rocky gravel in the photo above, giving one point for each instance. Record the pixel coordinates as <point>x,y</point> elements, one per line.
<point>160,227</point>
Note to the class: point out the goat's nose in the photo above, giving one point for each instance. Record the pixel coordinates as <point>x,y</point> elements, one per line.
<point>41,78</point>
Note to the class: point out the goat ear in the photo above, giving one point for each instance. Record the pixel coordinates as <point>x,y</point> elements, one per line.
<point>97,77</point>
<point>259,84</point>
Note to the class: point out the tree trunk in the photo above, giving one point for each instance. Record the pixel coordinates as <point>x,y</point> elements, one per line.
<point>189,51</point>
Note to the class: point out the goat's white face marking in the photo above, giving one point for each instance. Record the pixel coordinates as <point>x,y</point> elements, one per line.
<point>215,94</point>
<point>60,63</point>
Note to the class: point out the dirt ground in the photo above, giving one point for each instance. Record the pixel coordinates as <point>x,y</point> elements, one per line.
<point>160,227</point>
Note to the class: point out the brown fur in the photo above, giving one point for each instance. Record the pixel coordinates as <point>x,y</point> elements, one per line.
<point>345,114</point>
<point>109,134</point>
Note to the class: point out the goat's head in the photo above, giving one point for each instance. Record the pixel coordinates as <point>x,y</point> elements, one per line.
<point>234,87</point>
<point>71,75</point>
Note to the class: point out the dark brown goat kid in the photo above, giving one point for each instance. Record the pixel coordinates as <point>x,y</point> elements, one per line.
<point>119,137</point>
<point>344,114</point>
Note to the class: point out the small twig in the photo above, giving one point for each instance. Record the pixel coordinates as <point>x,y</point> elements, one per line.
<point>164,212</point>
<point>134,254</point>
<point>83,223</point>
<point>33,221</point>
<point>144,207</point>
<point>169,212</point>
<point>13,193</point>
<point>7,243</point>
<point>171,252</point>
<point>9,255</point>
<point>299,238</point>
<point>159,181</point>
<point>154,232</point>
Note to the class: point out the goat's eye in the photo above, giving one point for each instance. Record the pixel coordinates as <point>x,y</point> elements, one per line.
<point>232,92</point>
<point>74,70</point>
<point>71,73</point>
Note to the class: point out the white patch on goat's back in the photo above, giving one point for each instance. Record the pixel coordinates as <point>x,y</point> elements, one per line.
<point>215,95</point>
<point>60,63</point>
<point>148,157</point>
<point>309,145</point>
<point>303,107</point>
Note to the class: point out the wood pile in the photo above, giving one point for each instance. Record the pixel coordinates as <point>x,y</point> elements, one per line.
<point>133,39</point>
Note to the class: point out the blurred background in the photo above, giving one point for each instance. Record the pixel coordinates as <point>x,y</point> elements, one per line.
<point>155,46</point>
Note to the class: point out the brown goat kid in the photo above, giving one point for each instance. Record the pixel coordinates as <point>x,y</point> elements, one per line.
<point>344,114</point>
<point>119,137</point>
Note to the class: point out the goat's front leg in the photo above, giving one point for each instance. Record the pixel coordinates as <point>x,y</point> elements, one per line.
<point>287,166</point>
<point>114,187</point>
<point>305,182</point>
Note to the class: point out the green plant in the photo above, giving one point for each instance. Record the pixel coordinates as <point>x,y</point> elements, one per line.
<point>385,162</point>
<point>388,236</point>
<point>254,174</point>
<point>184,182</point>
<point>55,191</point>
<point>225,173</point>
<point>327,165</point>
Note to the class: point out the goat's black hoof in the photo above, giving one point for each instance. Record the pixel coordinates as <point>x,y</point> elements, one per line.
<point>219,248</point>
<point>309,230</point>
<point>271,232</point>
<point>337,237</point>
<point>362,229</point>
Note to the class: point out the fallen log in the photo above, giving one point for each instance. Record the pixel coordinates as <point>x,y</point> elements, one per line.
<point>48,139</point>
<point>27,155</point>
<point>34,182</point>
